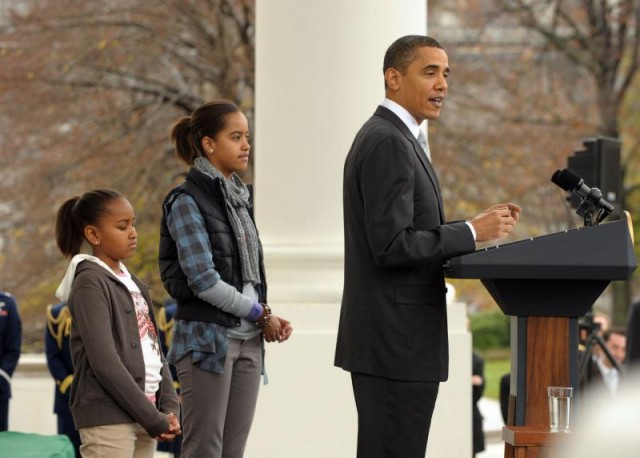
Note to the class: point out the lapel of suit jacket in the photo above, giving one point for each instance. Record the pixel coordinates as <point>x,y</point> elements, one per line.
<point>389,115</point>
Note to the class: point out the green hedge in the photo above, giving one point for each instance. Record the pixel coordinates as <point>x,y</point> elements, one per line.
<point>490,330</point>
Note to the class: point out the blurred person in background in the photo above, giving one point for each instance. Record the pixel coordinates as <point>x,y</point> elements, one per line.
<point>10,343</point>
<point>633,335</point>
<point>477,387</point>
<point>165,335</point>
<point>58,353</point>
<point>603,370</point>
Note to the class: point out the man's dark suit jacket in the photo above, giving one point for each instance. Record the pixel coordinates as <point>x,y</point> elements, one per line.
<point>393,321</point>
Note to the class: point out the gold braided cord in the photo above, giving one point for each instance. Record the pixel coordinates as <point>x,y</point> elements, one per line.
<point>166,327</point>
<point>66,383</point>
<point>59,327</point>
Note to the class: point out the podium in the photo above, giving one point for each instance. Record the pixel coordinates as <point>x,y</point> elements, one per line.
<point>544,284</point>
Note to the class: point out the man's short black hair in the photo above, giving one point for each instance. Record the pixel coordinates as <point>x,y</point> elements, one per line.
<point>403,51</point>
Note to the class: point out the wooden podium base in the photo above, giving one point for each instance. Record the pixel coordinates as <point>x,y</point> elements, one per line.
<point>545,355</point>
<point>532,442</point>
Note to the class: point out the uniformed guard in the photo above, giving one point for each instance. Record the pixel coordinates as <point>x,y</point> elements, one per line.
<point>56,343</point>
<point>10,342</point>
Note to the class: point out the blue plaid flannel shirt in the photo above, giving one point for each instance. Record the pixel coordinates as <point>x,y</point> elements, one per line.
<point>207,342</point>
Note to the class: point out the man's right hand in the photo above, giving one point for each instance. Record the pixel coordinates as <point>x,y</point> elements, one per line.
<point>496,222</point>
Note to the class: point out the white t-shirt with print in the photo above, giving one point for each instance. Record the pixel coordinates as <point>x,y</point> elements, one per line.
<point>148,337</point>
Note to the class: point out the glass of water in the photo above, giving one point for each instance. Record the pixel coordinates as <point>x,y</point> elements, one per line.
<point>559,408</point>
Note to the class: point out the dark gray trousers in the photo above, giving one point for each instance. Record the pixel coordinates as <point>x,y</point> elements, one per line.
<point>218,409</point>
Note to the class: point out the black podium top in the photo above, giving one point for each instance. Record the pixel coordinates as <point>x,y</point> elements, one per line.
<point>560,274</point>
<point>603,252</point>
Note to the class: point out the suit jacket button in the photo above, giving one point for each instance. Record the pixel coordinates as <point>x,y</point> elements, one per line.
<point>134,345</point>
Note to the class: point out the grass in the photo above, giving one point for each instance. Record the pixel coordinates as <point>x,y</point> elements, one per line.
<point>496,364</point>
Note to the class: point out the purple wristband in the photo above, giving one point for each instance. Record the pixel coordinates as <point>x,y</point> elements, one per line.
<point>256,311</point>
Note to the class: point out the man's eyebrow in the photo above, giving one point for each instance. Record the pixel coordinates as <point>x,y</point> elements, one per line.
<point>435,67</point>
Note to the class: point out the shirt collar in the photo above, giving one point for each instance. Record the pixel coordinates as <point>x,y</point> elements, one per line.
<point>404,116</point>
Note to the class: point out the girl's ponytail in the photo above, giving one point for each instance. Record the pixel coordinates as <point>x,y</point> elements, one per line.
<point>183,141</point>
<point>68,236</point>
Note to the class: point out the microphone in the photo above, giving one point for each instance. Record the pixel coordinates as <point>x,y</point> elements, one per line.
<point>592,205</point>
<point>571,182</point>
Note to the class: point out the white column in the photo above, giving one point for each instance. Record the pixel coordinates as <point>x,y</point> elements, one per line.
<point>318,79</point>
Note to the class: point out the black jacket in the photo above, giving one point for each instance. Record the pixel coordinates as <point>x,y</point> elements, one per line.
<point>393,321</point>
<point>208,196</point>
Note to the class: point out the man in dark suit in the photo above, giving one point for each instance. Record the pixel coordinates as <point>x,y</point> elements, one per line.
<point>392,335</point>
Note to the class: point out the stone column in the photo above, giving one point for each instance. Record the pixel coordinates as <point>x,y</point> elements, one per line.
<point>318,78</point>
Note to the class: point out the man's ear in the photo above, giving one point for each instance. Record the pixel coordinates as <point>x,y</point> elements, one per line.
<point>392,78</point>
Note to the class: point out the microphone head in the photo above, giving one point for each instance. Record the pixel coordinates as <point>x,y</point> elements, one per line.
<point>554,177</point>
<point>566,179</point>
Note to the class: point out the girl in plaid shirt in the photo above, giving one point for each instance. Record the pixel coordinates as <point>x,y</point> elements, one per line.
<point>211,262</point>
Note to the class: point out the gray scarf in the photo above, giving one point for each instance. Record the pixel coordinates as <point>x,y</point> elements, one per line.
<point>236,196</point>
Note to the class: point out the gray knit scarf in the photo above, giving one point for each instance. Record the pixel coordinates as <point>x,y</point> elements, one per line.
<point>236,197</point>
